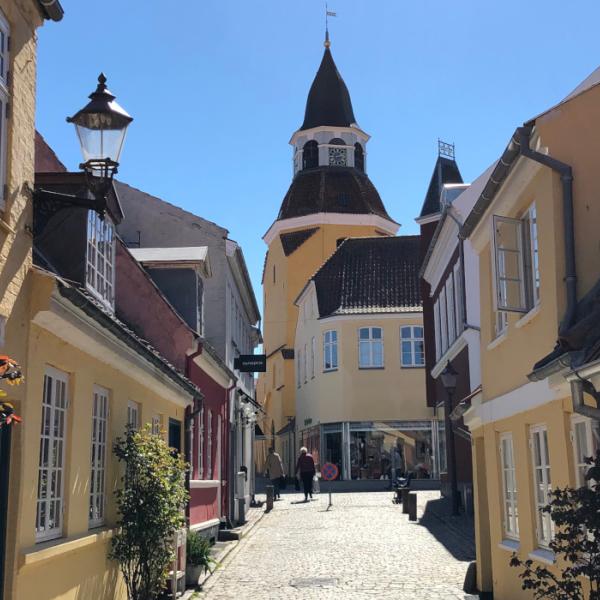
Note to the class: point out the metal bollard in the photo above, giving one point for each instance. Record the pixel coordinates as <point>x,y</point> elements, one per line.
<point>412,507</point>
<point>405,493</point>
<point>270,495</point>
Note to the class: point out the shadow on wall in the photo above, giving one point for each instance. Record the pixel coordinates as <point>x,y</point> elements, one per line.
<point>456,534</point>
<point>105,586</point>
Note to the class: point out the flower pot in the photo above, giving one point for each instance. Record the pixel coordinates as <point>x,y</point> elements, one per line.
<point>193,574</point>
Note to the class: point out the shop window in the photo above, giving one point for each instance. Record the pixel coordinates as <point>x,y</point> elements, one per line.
<point>370,347</point>
<point>310,155</point>
<point>509,487</point>
<point>98,459</point>
<point>330,350</point>
<point>542,483</point>
<point>412,348</point>
<point>51,471</point>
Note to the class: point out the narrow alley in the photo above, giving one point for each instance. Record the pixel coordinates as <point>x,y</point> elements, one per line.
<point>362,547</point>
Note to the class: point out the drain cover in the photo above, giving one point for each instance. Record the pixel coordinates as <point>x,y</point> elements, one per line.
<point>314,582</point>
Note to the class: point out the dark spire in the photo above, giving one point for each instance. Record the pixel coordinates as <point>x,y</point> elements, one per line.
<point>328,100</point>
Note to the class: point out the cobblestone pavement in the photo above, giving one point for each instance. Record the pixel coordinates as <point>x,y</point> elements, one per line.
<point>363,547</point>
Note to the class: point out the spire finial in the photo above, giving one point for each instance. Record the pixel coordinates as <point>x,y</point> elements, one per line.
<point>328,13</point>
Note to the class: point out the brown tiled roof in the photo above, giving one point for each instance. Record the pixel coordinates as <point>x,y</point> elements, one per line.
<point>293,240</point>
<point>331,190</point>
<point>370,275</point>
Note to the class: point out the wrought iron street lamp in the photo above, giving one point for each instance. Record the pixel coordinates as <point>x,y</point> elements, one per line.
<point>449,376</point>
<point>101,126</point>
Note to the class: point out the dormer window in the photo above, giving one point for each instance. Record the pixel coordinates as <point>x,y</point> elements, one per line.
<point>337,153</point>
<point>359,157</point>
<point>310,155</point>
<point>100,259</point>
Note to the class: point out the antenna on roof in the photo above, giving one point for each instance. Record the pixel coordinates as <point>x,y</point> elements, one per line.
<point>445,149</point>
<point>328,13</point>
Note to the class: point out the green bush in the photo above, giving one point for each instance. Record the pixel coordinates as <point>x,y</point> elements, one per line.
<point>198,551</point>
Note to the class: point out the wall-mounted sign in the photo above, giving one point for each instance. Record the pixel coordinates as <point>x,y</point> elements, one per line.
<point>251,363</point>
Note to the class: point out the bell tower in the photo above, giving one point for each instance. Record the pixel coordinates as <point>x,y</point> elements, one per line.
<point>330,198</point>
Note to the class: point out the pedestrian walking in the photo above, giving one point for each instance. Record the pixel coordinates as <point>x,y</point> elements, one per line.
<point>306,468</point>
<point>274,470</point>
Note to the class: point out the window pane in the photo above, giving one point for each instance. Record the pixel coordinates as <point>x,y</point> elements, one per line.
<point>334,356</point>
<point>376,331</point>
<point>364,354</point>
<point>418,332</point>
<point>364,333</point>
<point>378,354</point>
<point>405,332</point>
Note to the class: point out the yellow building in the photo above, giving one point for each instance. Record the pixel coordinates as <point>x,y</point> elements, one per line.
<point>19,20</point>
<point>534,229</point>
<point>331,198</point>
<point>359,355</point>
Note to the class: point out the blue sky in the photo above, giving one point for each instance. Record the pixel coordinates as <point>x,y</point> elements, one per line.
<point>217,87</point>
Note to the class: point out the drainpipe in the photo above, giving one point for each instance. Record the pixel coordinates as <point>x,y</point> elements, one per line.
<point>566,177</point>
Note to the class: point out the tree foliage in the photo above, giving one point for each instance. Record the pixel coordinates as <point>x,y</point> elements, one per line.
<point>150,503</point>
<point>576,543</point>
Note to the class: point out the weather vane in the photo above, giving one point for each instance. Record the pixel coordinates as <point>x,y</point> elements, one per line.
<point>328,13</point>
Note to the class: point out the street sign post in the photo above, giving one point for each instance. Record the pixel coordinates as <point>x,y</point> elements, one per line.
<point>251,363</point>
<point>329,472</point>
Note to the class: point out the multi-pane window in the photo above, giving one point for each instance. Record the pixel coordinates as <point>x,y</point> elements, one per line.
<point>298,367</point>
<point>304,363</point>
<point>98,472</point>
<point>448,312</point>
<point>313,352</point>
<point>437,327</point>
<point>209,445</point>
<point>516,262</point>
<point>458,298</point>
<point>541,482</point>
<point>201,444</point>
<point>50,499</point>
<point>412,348</point>
<point>156,424</point>
<point>451,312</point>
<point>100,271</point>
<point>133,414</point>
<point>330,350</point>
<point>509,487</point>
<point>4,67</point>
<point>586,441</point>
<point>370,347</point>
<point>443,320</point>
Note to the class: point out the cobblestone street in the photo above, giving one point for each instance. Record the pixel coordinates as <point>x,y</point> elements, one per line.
<point>363,547</point>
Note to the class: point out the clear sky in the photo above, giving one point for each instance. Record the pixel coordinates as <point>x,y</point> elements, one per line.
<point>217,87</point>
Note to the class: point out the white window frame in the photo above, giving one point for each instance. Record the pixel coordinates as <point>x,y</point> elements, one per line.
<point>298,355</point>
<point>509,487</point>
<point>330,348</point>
<point>313,353</point>
<point>133,414</point>
<point>443,321</point>
<point>304,362</point>
<point>55,404</point>
<point>579,424</point>
<point>531,255</point>
<point>451,310</point>
<point>413,339</point>
<point>100,258</point>
<point>209,445</point>
<point>438,329</point>
<point>100,412</point>
<point>370,342</point>
<point>157,424</point>
<point>542,478</point>
<point>200,448</point>
<point>458,298</point>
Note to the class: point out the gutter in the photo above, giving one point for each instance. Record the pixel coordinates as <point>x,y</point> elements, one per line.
<point>51,9</point>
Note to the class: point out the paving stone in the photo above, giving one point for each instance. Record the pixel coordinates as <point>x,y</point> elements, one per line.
<point>362,547</point>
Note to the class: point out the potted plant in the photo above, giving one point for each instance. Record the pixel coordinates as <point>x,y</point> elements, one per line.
<point>198,557</point>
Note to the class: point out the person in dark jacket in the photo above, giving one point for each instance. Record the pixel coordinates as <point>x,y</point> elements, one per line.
<point>306,468</point>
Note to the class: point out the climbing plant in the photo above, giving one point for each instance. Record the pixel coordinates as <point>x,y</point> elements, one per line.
<point>11,373</point>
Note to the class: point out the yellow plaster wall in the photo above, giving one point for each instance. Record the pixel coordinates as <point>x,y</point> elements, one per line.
<point>353,394</point>
<point>84,572</point>
<point>280,314</point>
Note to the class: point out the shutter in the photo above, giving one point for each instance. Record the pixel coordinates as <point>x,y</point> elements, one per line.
<point>509,268</point>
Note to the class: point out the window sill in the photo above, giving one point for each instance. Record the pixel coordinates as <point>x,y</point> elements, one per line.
<point>497,340</point>
<point>510,545</point>
<point>329,370</point>
<point>543,555</point>
<point>52,549</point>
<point>203,483</point>
<point>371,368</point>
<point>532,314</point>
<point>412,366</point>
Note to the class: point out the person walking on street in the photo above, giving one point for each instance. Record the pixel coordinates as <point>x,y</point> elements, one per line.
<point>274,470</point>
<point>306,467</point>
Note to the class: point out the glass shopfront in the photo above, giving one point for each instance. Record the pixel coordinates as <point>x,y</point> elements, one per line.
<point>377,449</point>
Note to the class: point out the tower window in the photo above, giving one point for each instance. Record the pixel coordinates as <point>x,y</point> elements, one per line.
<point>310,155</point>
<point>359,157</point>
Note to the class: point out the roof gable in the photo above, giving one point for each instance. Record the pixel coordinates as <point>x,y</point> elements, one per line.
<point>445,171</point>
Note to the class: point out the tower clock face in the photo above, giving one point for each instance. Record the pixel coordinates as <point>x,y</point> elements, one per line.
<point>337,157</point>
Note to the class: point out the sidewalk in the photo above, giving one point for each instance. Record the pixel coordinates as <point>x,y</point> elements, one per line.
<point>220,550</point>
